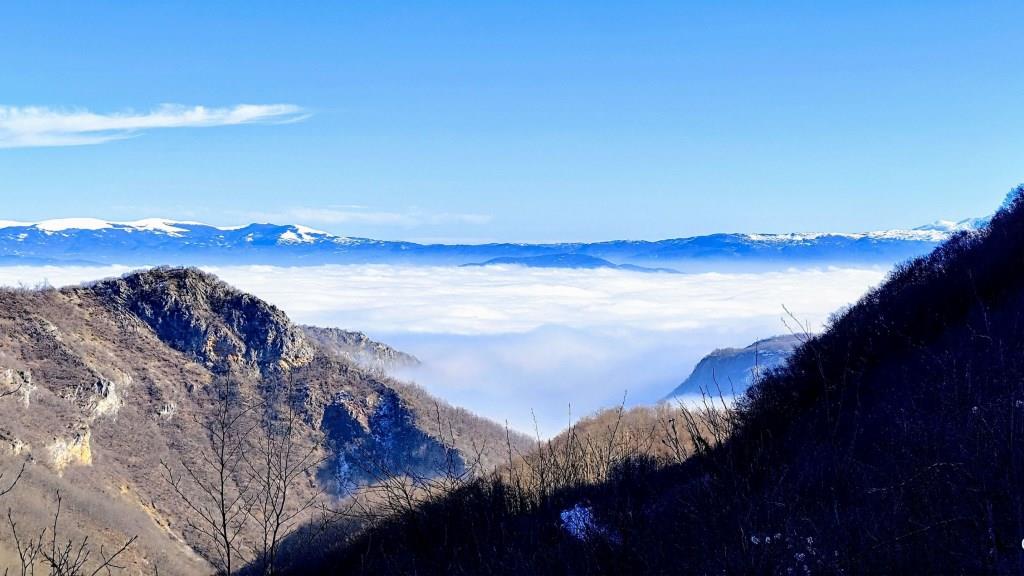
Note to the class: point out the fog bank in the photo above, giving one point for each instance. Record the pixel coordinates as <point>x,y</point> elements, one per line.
<point>506,340</point>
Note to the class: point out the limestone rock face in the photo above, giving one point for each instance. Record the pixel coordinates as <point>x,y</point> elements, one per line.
<point>12,445</point>
<point>73,450</point>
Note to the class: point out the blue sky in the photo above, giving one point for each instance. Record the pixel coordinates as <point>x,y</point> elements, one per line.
<point>478,121</point>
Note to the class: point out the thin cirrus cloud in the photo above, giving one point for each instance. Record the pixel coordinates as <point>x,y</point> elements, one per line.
<point>411,218</point>
<point>34,126</point>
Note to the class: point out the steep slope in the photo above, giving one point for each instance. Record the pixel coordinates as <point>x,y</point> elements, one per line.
<point>113,378</point>
<point>730,371</point>
<point>889,444</point>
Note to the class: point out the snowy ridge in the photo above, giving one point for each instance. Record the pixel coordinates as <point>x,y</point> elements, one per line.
<point>292,234</point>
<point>938,231</point>
<point>297,233</point>
<point>165,225</point>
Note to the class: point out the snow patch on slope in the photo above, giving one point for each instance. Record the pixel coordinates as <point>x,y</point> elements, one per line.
<point>298,234</point>
<point>923,234</point>
<point>61,224</point>
<point>64,224</point>
<point>159,225</point>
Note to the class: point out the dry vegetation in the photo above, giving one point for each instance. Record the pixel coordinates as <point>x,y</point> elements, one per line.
<point>50,550</point>
<point>399,518</point>
<point>73,350</point>
<point>53,553</point>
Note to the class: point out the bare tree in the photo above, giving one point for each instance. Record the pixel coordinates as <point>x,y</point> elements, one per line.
<point>213,486</point>
<point>277,460</point>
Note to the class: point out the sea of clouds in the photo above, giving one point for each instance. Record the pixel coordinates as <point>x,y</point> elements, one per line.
<point>522,345</point>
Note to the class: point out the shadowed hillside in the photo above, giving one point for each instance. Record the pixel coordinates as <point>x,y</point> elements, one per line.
<point>891,443</point>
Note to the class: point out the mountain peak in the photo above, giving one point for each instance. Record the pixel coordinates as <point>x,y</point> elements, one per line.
<point>196,313</point>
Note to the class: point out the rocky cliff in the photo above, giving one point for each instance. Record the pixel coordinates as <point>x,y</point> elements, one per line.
<point>101,383</point>
<point>195,313</point>
<point>360,349</point>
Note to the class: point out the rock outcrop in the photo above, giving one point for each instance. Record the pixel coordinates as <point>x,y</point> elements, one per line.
<point>222,328</point>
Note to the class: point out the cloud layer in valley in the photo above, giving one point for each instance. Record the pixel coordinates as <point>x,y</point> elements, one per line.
<point>35,126</point>
<point>505,341</point>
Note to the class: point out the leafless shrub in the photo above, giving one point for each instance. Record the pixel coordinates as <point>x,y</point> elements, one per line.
<point>435,522</point>
<point>63,557</point>
<point>593,450</point>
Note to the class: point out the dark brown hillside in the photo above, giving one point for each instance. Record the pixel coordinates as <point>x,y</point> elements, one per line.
<point>113,378</point>
<point>889,444</point>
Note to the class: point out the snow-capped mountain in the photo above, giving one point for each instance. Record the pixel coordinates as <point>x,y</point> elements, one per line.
<point>948,227</point>
<point>167,241</point>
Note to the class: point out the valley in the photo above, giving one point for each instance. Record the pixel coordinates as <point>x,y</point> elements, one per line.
<point>511,288</point>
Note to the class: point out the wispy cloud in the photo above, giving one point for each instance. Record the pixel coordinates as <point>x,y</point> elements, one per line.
<point>412,218</point>
<point>31,126</point>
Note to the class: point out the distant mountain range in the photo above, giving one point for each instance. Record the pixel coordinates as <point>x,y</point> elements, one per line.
<point>162,241</point>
